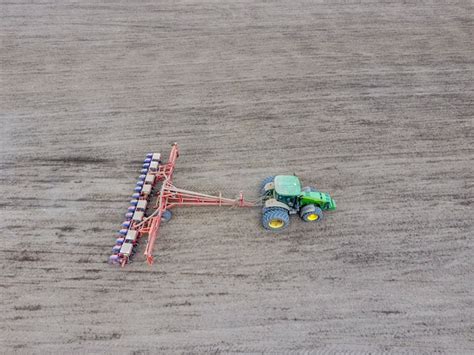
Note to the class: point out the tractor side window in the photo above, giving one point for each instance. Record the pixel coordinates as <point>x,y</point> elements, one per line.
<point>290,201</point>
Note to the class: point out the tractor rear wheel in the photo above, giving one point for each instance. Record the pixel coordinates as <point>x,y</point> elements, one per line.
<point>311,213</point>
<point>275,219</point>
<point>264,182</point>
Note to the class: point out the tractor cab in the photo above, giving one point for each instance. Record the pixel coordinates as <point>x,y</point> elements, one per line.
<point>287,189</point>
<point>283,196</point>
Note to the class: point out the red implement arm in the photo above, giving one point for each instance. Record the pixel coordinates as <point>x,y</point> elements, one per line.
<point>170,196</point>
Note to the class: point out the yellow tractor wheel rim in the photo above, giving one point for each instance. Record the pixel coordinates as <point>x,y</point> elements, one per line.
<point>312,217</point>
<point>276,223</point>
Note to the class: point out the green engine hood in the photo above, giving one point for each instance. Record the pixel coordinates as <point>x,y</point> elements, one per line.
<point>319,198</point>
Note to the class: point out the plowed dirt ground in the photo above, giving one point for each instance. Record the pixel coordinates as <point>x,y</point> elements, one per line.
<point>370,101</point>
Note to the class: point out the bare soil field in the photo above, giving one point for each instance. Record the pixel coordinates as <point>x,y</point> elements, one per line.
<point>369,101</point>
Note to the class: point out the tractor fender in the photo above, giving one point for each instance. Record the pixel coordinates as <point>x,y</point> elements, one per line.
<point>307,208</point>
<point>272,203</point>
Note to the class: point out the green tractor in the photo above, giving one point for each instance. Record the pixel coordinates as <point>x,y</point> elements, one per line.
<point>283,196</point>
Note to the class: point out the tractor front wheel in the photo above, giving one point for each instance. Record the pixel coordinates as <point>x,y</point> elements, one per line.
<point>311,213</point>
<point>275,219</point>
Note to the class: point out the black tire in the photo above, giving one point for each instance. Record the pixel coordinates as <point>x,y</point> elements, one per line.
<point>313,216</point>
<point>275,219</point>
<point>264,182</point>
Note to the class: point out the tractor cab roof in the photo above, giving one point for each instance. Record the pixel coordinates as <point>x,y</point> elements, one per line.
<point>287,185</point>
